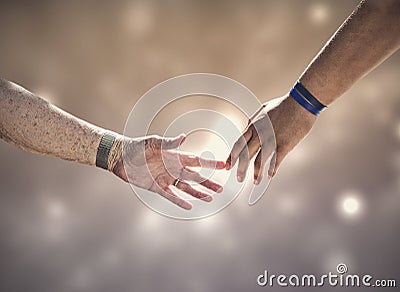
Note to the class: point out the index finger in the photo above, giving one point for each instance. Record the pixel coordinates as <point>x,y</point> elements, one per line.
<point>191,160</point>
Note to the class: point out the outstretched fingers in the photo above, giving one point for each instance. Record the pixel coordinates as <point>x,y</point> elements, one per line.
<point>237,148</point>
<point>260,164</point>
<point>190,175</point>
<point>190,160</point>
<point>185,187</point>
<point>174,198</point>
<point>245,156</point>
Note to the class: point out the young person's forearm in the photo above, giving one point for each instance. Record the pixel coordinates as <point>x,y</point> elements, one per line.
<point>369,36</point>
<point>35,125</point>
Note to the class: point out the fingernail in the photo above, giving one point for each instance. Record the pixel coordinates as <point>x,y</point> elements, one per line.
<point>239,178</point>
<point>207,198</point>
<point>220,190</point>
<point>187,206</point>
<point>256,182</point>
<point>221,165</point>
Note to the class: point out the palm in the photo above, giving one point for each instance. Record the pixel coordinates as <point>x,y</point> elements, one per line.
<point>150,164</point>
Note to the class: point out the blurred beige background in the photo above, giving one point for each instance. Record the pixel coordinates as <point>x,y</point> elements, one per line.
<point>68,227</point>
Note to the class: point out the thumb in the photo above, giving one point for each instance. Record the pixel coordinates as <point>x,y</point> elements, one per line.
<point>172,143</point>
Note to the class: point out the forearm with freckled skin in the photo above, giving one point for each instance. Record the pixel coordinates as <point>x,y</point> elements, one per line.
<point>369,36</point>
<point>35,125</point>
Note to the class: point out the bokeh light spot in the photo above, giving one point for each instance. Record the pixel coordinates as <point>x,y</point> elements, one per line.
<point>350,205</point>
<point>319,13</point>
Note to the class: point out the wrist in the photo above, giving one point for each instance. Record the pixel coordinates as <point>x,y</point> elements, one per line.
<point>115,156</point>
<point>296,111</point>
<point>306,99</point>
<point>109,150</point>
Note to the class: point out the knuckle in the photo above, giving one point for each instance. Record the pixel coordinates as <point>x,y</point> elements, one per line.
<point>196,159</point>
<point>164,181</point>
<point>150,142</point>
<point>196,177</point>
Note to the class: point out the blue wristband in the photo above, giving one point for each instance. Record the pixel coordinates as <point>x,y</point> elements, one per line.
<point>303,102</point>
<point>308,96</point>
